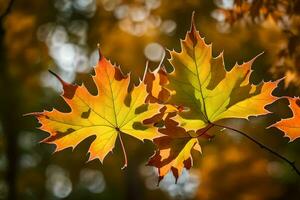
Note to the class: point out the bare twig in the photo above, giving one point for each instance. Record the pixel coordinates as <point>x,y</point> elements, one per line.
<point>291,163</point>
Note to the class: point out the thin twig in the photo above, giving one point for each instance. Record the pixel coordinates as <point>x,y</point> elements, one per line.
<point>124,151</point>
<point>291,163</point>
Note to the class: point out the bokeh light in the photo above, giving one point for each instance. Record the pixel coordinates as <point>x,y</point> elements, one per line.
<point>93,180</point>
<point>58,182</point>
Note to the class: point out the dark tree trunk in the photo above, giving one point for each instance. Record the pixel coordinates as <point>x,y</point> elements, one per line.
<point>9,115</point>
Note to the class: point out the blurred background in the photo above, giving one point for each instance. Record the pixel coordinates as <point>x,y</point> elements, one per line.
<point>62,35</point>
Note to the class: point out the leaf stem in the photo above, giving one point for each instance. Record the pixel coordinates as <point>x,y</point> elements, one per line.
<point>124,151</point>
<point>210,125</point>
<point>291,163</point>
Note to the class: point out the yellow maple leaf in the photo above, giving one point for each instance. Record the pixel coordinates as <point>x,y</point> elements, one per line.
<point>291,126</point>
<point>109,114</point>
<point>200,82</point>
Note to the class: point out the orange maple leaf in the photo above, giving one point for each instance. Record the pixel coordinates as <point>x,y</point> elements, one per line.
<point>109,114</point>
<point>291,126</point>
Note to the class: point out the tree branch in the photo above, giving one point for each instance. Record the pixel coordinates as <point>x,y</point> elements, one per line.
<point>7,10</point>
<point>291,163</point>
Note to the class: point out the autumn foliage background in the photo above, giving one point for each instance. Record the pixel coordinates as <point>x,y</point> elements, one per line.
<point>62,35</point>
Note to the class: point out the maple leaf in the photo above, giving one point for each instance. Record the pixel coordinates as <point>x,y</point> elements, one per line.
<point>174,148</point>
<point>200,82</point>
<point>155,82</point>
<point>107,115</point>
<point>291,126</point>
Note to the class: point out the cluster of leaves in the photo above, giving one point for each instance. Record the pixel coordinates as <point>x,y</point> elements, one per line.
<point>285,16</point>
<point>257,10</point>
<point>174,110</point>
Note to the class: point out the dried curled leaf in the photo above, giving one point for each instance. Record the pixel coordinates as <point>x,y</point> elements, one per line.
<point>291,126</point>
<point>107,115</point>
